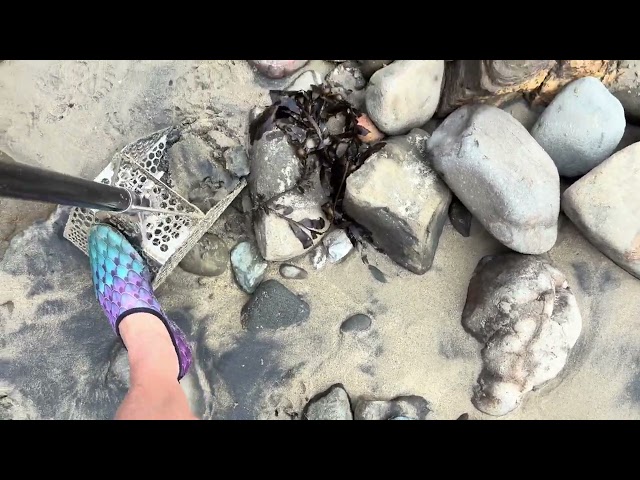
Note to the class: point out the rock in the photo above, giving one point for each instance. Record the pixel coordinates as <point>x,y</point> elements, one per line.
<point>207,258</point>
<point>275,167</point>
<point>431,125</point>
<point>493,81</point>
<point>248,266</point>
<point>501,174</point>
<point>274,229</point>
<point>581,127</point>
<point>211,190</point>
<point>273,306</point>
<point>404,95</point>
<point>377,274</point>
<point>400,199</point>
<point>319,257</point>
<point>255,112</point>
<point>278,68</point>
<point>626,87</point>
<point>348,76</point>
<point>292,272</point>
<point>460,217</point>
<point>305,81</point>
<point>374,135</point>
<point>237,161</point>
<point>605,206</point>
<point>566,71</point>
<point>521,110</point>
<point>523,312</point>
<point>338,245</point>
<point>369,67</point>
<point>347,80</point>
<point>332,404</point>
<point>631,135</point>
<point>410,407</point>
<point>356,323</point>
<point>6,158</point>
<point>499,81</point>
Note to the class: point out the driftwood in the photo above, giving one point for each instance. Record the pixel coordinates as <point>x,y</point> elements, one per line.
<point>498,81</point>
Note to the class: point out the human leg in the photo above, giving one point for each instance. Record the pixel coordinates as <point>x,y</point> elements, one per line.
<point>159,354</point>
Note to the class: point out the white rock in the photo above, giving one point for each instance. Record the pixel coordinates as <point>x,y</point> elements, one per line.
<point>338,245</point>
<point>404,95</point>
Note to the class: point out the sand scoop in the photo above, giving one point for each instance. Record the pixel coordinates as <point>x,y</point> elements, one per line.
<point>131,194</point>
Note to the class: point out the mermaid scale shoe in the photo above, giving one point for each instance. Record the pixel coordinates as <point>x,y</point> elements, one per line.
<point>122,284</point>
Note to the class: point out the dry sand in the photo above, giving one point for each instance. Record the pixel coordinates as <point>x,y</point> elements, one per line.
<point>71,116</point>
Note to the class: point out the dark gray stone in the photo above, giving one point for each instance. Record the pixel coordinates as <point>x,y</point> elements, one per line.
<point>292,272</point>
<point>404,95</point>
<point>460,218</point>
<point>581,127</point>
<point>333,404</point>
<point>356,323</point>
<point>605,206</point>
<point>400,199</point>
<point>377,274</point>
<point>237,161</point>
<point>410,407</point>
<point>500,173</point>
<point>248,266</point>
<point>209,257</point>
<point>273,306</point>
<point>522,310</point>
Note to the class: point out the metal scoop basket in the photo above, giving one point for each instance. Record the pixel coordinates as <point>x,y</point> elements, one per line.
<point>162,238</point>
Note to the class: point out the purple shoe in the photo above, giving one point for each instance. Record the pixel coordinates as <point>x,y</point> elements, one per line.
<point>122,284</point>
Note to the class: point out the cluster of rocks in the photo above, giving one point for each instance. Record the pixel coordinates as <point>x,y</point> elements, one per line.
<point>461,141</point>
<point>335,404</point>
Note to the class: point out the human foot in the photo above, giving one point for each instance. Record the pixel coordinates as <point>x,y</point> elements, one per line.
<point>122,284</point>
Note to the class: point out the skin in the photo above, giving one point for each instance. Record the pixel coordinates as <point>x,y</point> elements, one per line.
<point>155,393</point>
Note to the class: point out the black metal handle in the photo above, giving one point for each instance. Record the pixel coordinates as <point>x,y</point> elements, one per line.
<point>24,182</point>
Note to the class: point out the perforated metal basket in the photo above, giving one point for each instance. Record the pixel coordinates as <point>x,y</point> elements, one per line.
<point>162,239</point>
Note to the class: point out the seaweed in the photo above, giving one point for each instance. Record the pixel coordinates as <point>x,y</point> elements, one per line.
<point>303,117</point>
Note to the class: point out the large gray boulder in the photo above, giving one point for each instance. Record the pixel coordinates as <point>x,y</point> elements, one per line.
<point>581,127</point>
<point>522,310</point>
<point>501,174</point>
<point>401,200</point>
<point>404,95</point>
<point>605,206</point>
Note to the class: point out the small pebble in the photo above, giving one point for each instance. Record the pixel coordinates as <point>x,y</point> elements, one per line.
<point>460,218</point>
<point>338,245</point>
<point>319,257</point>
<point>377,274</point>
<point>208,257</point>
<point>374,134</point>
<point>248,266</point>
<point>357,323</point>
<point>292,272</point>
